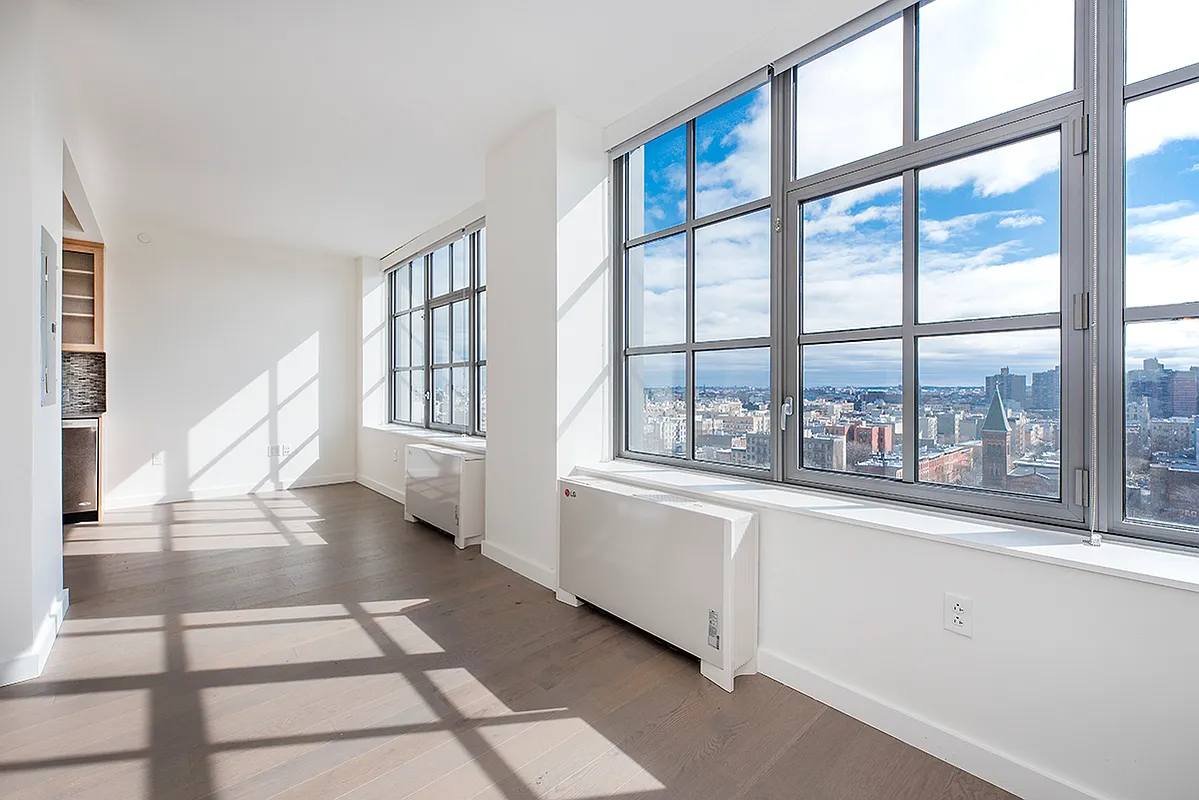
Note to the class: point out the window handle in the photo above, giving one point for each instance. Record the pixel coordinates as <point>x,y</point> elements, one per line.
<point>787,410</point>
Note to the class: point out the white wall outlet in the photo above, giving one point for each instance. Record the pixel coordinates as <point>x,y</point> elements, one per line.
<point>395,454</point>
<point>959,614</point>
<point>156,459</point>
<point>273,451</point>
<point>287,449</point>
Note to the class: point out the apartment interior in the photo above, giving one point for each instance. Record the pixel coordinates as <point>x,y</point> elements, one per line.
<point>516,400</point>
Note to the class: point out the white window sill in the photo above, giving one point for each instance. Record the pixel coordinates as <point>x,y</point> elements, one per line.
<point>1178,569</point>
<point>456,441</point>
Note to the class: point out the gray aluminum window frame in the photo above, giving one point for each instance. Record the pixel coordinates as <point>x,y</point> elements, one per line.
<point>1113,95</point>
<point>1070,113</point>
<point>690,346</point>
<point>467,237</point>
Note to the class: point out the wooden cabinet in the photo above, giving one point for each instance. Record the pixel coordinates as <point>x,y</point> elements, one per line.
<point>82,296</point>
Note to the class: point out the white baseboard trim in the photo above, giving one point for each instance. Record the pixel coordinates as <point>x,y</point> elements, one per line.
<point>1004,771</point>
<point>382,488</point>
<point>217,493</point>
<point>31,662</point>
<point>521,565</point>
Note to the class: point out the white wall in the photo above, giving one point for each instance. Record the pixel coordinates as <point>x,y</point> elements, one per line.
<point>547,365</point>
<point>31,147</point>
<point>218,348</point>
<point>1072,678</point>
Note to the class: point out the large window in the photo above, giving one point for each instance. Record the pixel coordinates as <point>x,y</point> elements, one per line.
<point>438,336</point>
<point>900,266</point>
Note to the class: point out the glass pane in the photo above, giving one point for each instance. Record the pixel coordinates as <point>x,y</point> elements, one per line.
<point>403,341</point>
<point>418,282</point>
<point>461,401</point>
<point>657,293</point>
<point>461,263</point>
<point>403,289</point>
<point>441,271</point>
<point>482,256</point>
<point>990,233</point>
<point>853,407</point>
<point>732,407</point>
<point>657,185</point>
<point>849,102</point>
<point>852,259</point>
<point>1161,429</point>
<point>732,278</point>
<point>483,397</point>
<point>418,396</point>
<point>403,396</point>
<point>1161,37</point>
<point>981,422</point>
<point>441,396</point>
<point>482,327</point>
<point>1162,148</point>
<point>657,404</point>
<point>418,338</point>
<point>461,311</point>
<point>732,144</point>
<point>441,335</point>
<point>979,58</point>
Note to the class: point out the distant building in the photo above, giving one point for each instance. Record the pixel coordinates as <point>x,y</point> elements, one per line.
<point>946,466</point>
<point>882,465</point>
<point>949,427</point>
<point>879,438</point>
<point>996,437</point>
<point>1046,390</point>
<point>1012,388</point>
<point>757,447</point>
<point>1172,435</point>
<point>824,451</point>
<point>1171,393</point>
<point>970,427</point>
<point>928,427</point>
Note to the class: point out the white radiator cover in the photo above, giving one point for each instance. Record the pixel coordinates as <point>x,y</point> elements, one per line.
<point>445,489</point>
<point>685,571</point>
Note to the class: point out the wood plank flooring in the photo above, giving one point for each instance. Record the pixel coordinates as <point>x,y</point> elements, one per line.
<point>312,644</point>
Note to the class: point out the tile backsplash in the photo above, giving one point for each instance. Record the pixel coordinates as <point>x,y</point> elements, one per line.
<point>84,384</point>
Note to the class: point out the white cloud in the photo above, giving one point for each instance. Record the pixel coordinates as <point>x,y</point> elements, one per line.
<point>1155,121</point>
<point>1175,344</point>
<point>1162,265</point>
<point>1000,171</point>
<point>1161,36</point>
<point>1156,210</point>
<point>850,101</point>
<point>939,231</point>
<point>744,174</point>
<point>981,57</point>
<point>1022,221</point>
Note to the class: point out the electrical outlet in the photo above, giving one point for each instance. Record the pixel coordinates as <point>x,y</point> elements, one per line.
<point>959,615</point>
<point>156,459</point>
<point>287,449</point>
<point>395,454</point>
<point>273,451</point>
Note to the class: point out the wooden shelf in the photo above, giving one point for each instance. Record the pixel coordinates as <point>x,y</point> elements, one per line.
<point>83,294</point>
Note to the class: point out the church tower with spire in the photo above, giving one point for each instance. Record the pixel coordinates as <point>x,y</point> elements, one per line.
<point>996,435</point>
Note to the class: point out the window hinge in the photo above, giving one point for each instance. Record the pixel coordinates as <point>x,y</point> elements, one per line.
<point>1082,133</point>
<point>1082,311</point>
<point>1082,487</point>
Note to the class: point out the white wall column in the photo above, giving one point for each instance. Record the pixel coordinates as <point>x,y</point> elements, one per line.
<point>548,329</point>
<point>31,161</point>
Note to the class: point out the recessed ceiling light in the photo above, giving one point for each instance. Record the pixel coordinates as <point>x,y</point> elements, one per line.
<point>144,238</point>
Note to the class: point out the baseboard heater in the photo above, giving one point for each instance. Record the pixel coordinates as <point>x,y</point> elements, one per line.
<point>444,488</point>
<point>684,571</point>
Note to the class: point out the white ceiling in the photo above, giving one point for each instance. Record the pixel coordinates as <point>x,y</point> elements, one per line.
<point>353,125</point>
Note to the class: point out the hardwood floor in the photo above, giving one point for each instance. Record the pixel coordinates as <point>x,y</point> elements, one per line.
<point>314,645</point>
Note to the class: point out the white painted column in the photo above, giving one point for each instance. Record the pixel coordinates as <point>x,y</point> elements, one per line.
<point>549,299</point>
<point>31,160</point>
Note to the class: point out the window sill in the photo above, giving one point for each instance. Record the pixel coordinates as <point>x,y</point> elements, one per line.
<point>456,441</point>
<point>1157,565</point>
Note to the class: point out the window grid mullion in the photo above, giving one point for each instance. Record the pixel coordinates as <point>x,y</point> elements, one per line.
<point>692,156</point>
<point>909,377</point>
